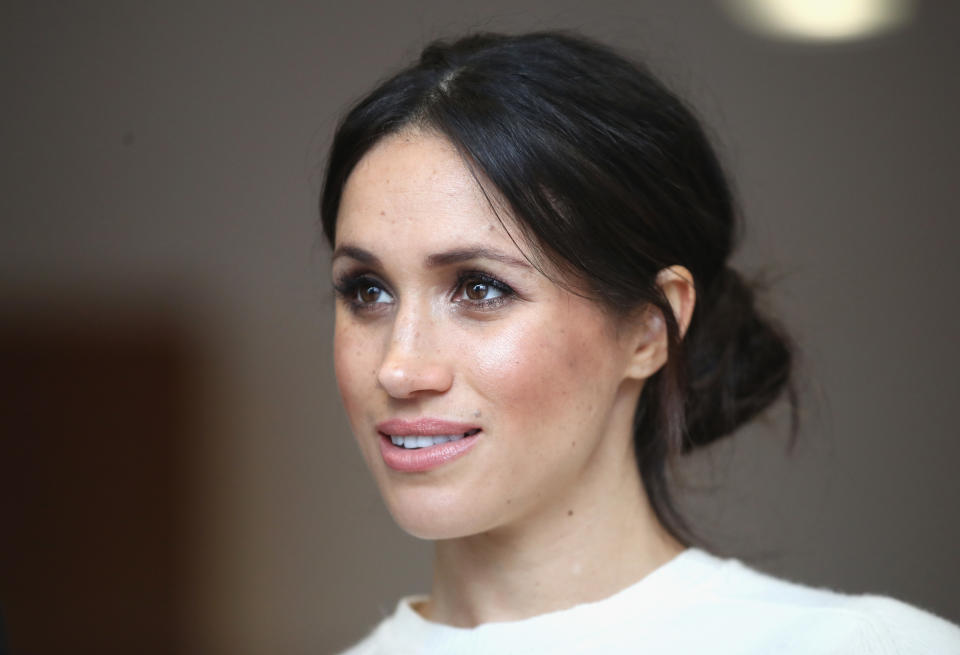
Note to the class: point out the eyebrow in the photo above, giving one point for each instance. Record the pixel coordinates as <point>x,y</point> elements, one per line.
<point>466,254</point>
<point>361,255</point>
<point>436,260</point>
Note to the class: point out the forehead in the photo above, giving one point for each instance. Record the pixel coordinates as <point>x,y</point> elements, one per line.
<point>416,183</point>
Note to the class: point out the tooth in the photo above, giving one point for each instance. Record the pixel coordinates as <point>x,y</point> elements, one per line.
<point>441,439</point>
<point>456,437</point>
<point>409,442</point>
<point>397,441</point>
<point>423,442</point>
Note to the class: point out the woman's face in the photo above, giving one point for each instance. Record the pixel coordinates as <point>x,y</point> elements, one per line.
<point>480,392</point>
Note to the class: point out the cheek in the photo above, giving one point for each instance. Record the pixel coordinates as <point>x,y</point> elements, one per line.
<point>354,362</point>
<point>541,372</point>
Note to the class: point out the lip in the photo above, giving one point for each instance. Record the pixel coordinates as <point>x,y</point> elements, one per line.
<point>424,427</point>
<point>419,460</point>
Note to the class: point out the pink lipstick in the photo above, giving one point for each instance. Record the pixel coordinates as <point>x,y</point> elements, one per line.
<point>415,446</point>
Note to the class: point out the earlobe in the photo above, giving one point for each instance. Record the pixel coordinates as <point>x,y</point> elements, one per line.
<point>650,341</point>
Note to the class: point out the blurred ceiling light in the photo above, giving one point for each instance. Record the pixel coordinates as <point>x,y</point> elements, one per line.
<point>820,20</point>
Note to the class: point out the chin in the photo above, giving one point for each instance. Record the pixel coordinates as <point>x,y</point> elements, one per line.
<point>429,513</point>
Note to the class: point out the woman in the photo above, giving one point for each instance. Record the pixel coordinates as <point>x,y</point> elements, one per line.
<point>535,315</point>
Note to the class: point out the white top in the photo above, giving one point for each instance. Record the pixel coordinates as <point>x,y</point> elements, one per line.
<point>696,603</point>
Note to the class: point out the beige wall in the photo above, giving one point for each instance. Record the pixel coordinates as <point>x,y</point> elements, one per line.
<point>172,151</point>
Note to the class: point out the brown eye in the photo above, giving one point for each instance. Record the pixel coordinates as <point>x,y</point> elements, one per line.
<point>477,291</point>
<point>369,293</point>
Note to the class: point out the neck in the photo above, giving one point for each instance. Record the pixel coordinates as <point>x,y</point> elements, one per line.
<point>597,541</point>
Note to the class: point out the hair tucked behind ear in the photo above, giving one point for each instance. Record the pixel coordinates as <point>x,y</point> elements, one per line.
<point>735,363</point>
<point>613,179</point>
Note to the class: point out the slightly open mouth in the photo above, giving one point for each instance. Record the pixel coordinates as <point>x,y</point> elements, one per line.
<point>420,441</point>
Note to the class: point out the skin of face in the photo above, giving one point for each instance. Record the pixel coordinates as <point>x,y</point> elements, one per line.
<point>546,374</point>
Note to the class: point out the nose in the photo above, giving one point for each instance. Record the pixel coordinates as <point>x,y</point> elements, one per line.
<point>412,364</point>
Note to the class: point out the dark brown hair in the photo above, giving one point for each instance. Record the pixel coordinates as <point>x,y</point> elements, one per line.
<point>612,176</point>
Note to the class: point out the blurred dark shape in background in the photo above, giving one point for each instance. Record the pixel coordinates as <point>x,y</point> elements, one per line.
<point>96,404</point>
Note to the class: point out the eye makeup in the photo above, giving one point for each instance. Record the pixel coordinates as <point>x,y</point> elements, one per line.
<point>362,292</point>
<point>473,290</point>
<point>473,283</point>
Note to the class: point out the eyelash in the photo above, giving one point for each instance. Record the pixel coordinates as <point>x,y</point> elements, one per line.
<point>348,286</point>
<point>506,293</point>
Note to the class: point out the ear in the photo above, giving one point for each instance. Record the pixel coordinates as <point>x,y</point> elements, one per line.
<point>649,338</point>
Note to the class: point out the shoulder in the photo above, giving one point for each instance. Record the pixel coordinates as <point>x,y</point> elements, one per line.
<point>830,620</point>
<point>399,633</point>
<point>897,627</point>
<point>367,645</point>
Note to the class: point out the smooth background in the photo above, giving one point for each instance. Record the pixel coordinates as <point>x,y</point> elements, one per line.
<point>163,159</point>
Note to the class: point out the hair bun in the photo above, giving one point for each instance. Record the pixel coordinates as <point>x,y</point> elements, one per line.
<point>738,361</point>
